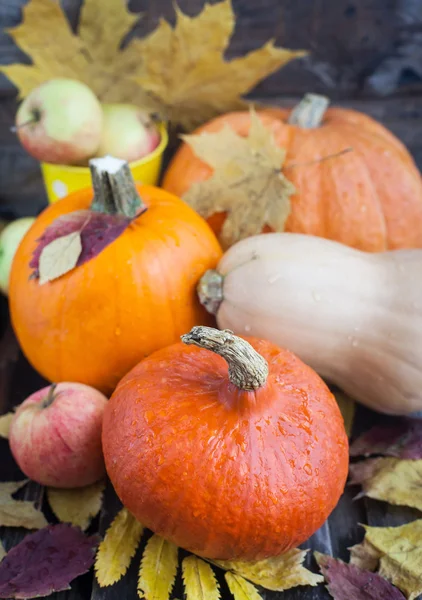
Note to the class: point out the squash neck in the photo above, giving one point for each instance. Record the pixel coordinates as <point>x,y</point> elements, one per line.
<point>248,370</point>
<point>114,188</point>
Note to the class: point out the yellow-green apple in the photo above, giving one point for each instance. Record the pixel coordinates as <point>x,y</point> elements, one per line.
<point>60,122</point>
<point>10,238</point>
<point>55,435</point>
<point>128,132</point>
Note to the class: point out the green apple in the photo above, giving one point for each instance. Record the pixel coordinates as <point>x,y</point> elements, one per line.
<point>10,238</point>
<point>128,132</point>
<point>60,122</point>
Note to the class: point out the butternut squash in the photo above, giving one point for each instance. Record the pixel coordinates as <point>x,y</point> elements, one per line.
<point>355,317</point>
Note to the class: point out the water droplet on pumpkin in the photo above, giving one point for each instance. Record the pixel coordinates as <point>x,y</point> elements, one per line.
<point>134,422</point>
<point>247,327</point>
<point>355,343</point>
<point>148,416</point>
<point>274,278</point>
<point>308,469</point>
<point>316,296</point>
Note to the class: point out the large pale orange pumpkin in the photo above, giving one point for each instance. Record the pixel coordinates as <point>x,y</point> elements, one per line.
<point>136,295</point>
<point>241,461</point>
<point>369,198</point>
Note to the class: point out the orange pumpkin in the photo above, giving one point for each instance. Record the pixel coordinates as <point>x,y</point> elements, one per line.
<point>369,198</point>
<point>245,461</point>
<point>136,295</point>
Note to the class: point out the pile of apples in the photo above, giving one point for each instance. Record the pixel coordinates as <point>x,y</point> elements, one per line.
<point>63,122</point>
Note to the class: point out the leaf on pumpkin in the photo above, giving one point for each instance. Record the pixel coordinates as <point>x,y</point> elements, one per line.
<point>93,57</point>
<point>184,68</point>
<point>349,582</point>
<point>46,562</point>
<point>72,240</point>
<point>240,588</point>
<point>389,479</point>
<point>76,506</point>
<point>247,182</point>
<point>347,408</point>
<point>402,439</point>
<point>400,551</point>
<point>199,580</point>
<point>276,573</point>
<point>158,569</point>
<point>18,513</point>
<point>117,548</point>
<point>5,422</point>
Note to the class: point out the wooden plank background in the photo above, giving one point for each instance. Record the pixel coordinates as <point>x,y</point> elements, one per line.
<point>366,54</point>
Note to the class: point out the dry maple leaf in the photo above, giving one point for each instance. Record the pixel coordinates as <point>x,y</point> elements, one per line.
<point>240,588</point>
<point>277,573</point>
<point>247,182</point>
<point>158,569</point>
<point>199,580</point>
<point>93,56</point>
<point>402,439</point>
<point>185,70</point>
<point>389,479</point>
<point>117,548</point>
<point>18,513</point>
<point>399,555</point>
<point>5,422</point>
<point>76,506</point>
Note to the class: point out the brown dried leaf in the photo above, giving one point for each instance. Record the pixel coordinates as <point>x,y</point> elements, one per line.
<point>18,513</point>
<point>76,506</point>
<point>117,548</point>
<point>247,182</point>
<point>400,550</point>
<point>277,573</point>
<point>5,422</point>
<point>365,556</point>
<point>59,257</point>
<point>390,479</point>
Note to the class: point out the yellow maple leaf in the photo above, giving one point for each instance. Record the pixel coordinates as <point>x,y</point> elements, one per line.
<point>392,480</point>
<point>400,555</point>
<point>2,551</point>
<point>117,548</point>
<point>93,56</point>
<point>240,588</point>
<point>199,580</point>
<point>364,556</point>
<point>185,69</point>
<point>247,182</point>
<point>158,569</point>
<point>347,408</point>
<point>5,422</point>
<point>277,573</point>
<point>18,513</point>
<point>78,505</point>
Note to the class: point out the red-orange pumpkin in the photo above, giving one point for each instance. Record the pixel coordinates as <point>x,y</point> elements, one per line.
<point>136,295</point>
<point>244,462</point>
<point>369,198</point>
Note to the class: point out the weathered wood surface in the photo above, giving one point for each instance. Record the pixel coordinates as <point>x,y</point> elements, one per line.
<point>361,51</point>
<point>342,530</point>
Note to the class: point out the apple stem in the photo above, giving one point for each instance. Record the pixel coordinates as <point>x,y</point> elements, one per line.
<point>16,128</point>
<point>114,188</point>
<point>50,396</point>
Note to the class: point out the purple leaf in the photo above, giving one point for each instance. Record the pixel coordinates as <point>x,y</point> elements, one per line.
<point>97,231</point>
<point>349,582</point>
<point>46,562</point>
<point>402,440</point>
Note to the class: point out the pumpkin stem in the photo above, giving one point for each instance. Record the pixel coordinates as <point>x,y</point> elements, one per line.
<point>114,188</point>
<point>310,111</point>
<point>49,399</point>
<point>248,370</point>
<point>210,290</point>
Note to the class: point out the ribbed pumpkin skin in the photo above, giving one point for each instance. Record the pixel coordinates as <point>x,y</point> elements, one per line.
<point>369,198</point>
<point>222,472</point>
<point>95,323</point>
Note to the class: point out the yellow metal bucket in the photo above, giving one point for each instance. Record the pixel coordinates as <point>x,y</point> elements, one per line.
<point>61,180</point>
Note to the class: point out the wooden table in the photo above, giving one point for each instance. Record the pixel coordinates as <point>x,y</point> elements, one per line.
<point>342,530</point>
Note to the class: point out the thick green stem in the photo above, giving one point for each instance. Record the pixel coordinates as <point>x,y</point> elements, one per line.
<point>248,370</point>
<point>114,188</point>
<point>310,111</point>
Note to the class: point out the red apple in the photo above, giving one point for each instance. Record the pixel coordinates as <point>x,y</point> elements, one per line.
<point>55,435</point>
<point>60,122</point>
<point>128,132</point>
